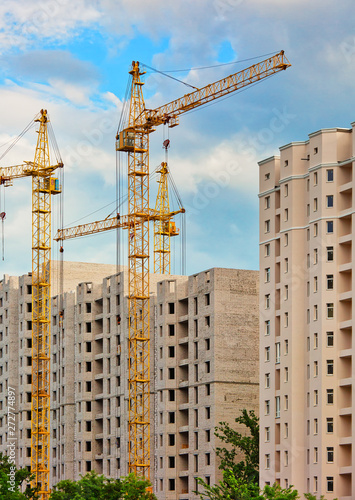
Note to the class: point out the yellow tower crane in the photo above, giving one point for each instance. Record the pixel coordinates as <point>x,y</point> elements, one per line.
<point>134,140</point>
<point>43,186</point>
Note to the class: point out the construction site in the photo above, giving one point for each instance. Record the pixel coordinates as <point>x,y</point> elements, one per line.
<point>126,368</point>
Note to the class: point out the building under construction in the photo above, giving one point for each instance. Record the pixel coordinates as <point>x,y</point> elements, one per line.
<point>203,370</point>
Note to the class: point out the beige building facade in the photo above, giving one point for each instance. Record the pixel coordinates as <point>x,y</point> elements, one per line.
<point>306,288</point>
<point>204,369</point>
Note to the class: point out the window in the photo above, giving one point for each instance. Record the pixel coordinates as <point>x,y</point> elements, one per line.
<point>267,380</point>
<point>286,292</point>
<point>171,484</point>
<point>171,351</point>
<point>267,250</point>
<point>171,462</point>
<point>171,439</point>
<point>330,339</point>
<point>267,226</point>
<point>286,430</point>
<point>286,346</point>
<point>315,256</point>
<point>171,373</point>
<point>277,407</point>
<point>286,458</point>
<point>286,374</point>
<point>330,227</point>
<point>286,239</point>
<point>315,341</point>
<point>286,214</point>
<point>207,299</point>
<point>267,301</point>
<point>315,284</point>
<point>267,461</point>
<point>330,201</point>
<point>315,398</point>
<point>330,454</point>
<point>267,327</point>
<point>330,367</point>
<point>330,254</point>
<point>308,265</point>
<point>308,209</point>
<point>286,403</point>
<point>315,455</point>
<point>330,396</point>
<point>286,189</point>
<point>267,407</point>
<point>267,275</point>
<point>330,282</point>
<point>315,313</point>
<point>315,175</point>
<point>315,230</point>
<point>315,368</point>
<point>267,434</point>
<point>286,265</point>
<point>286,319</point>
<point>315,484</point>
<point>330,425</point>
<point>330,175</point>
<point>315,204</point>
<point>315,426</point>
<point>267,176</point>
<point>267,353</point>
<point>330,310</point>
<point>330,484</point>
<point>278,352</point>
<point>267,202</point>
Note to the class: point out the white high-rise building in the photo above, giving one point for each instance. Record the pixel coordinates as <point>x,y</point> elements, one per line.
<point>306,289</point>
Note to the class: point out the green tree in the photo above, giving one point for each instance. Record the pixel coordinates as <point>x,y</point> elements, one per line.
<point>240,478</point>
<point>12,480</point>
<point>95,487</point>
<point>247,443</point>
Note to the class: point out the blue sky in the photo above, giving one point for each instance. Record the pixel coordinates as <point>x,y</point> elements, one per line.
<point>73,59</point>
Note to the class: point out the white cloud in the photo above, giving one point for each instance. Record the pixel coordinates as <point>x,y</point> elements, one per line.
<point>24,24</point>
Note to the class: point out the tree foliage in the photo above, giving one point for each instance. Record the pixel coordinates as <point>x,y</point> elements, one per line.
<point>241,479</point>
<point>97,487</point>
<point>247,443</point>
<point>12,480</point>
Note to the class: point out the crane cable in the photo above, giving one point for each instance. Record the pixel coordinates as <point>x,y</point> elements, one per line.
<point>238,61</point>
<point>15,141</point>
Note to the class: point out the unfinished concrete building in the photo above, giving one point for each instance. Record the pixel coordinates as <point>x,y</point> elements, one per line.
<point>204,369</point>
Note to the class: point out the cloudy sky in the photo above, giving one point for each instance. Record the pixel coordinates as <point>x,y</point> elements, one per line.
<point>73,57</point>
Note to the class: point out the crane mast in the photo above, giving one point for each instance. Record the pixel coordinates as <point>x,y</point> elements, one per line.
<point>136,144</point>
<point>43,186</point>
<point>164,227</point>
<point>41,311</point>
